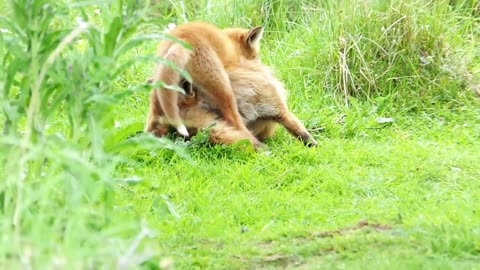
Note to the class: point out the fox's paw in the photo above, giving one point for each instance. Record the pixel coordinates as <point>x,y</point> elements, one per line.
<point>308,140</point>
<point>311,143</point>
<point>156,129</point>
<point>183,131</point>
<point>258,145</point>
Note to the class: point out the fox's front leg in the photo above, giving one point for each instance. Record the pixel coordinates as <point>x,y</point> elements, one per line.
<point>296,128</point>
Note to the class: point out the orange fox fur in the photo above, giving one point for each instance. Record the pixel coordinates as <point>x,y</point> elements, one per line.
<point>214,52</point>
<point>261,101</point>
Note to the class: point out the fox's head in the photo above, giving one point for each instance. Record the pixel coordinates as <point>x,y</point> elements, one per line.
<point>248,40</point>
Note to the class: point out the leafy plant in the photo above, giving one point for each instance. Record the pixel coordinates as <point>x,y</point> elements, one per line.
<point>63,60</point>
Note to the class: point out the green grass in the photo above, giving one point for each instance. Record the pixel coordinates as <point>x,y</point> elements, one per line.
<point>80,190</point>
<point>414,179</point>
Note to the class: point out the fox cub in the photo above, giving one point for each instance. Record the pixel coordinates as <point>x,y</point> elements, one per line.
<point>215,51</point>
<point>261,101</point>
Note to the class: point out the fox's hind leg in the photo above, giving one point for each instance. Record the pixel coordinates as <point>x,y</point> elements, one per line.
<point>152,124</point>
<point>263,129</point>
<point>208,72</point>
<point>167,98</point>
<point>296,128</point>
<point>221,132</point>
<point>224,133</point>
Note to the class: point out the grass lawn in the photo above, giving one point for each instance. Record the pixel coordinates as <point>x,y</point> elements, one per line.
<point>80,190</point>
<point>399,196</point>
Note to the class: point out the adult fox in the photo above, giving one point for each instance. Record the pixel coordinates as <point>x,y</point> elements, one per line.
<point>214,52</point>
<point>261,101</point>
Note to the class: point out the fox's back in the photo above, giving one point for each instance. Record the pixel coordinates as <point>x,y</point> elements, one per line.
<point>199,34</point>
<point>258,92</point>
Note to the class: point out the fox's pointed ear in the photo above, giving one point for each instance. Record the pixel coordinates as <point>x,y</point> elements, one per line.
<point>254,36</point>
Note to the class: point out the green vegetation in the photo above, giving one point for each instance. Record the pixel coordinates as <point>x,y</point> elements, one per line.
<point>80,189</point>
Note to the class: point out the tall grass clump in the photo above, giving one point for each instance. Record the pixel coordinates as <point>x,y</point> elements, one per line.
<point>419,52</point>
<point>412,49</point>
<point>60,71</point>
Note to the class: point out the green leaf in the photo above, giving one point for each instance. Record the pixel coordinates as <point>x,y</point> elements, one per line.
<point>172,65</point>
<point>148,141</point>
<point>176,40</point>
<point>120,135</point>
<point>168,87</point>
<point>112,36</point>
<point>84,4</point>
